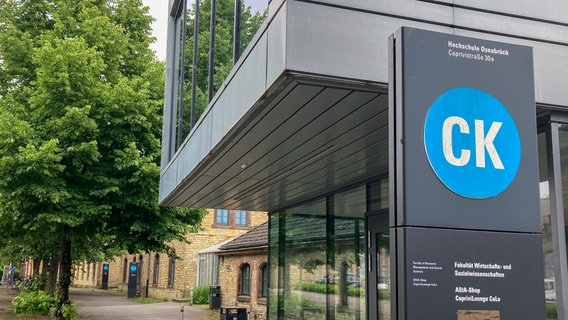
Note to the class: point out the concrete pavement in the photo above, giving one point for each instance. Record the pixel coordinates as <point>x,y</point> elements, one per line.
<point>98,305</point>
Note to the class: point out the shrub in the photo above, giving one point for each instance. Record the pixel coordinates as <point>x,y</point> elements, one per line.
<point>32,284</point>
<point>69,310</point>
<point>201,295</point>
<point>35,302</point>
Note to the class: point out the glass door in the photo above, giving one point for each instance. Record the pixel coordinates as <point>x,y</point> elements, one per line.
<point>553,183</point>
<point>378,266</point>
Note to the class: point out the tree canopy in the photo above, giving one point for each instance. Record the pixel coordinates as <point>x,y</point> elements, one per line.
<point>81,97</point>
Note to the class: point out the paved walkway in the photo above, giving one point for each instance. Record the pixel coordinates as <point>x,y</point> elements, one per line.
<point>98,305</point>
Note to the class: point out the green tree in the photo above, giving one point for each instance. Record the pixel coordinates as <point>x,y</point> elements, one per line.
<point>81,96</point>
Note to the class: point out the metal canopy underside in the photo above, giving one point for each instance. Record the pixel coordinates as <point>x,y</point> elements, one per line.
<point>304,137</point>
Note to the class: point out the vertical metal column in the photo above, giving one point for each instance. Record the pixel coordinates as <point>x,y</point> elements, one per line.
<point>181,75</point>
<point>557,219</point>
<point>237,32</point>
<point>194,67</point>
<point>213,25</point>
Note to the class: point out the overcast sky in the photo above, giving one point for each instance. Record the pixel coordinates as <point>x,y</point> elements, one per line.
<point>159,10</point>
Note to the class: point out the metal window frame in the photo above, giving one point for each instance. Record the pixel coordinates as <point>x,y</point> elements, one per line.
<point>557,210</point>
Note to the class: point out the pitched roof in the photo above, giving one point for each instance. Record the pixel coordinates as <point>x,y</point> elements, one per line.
<point>214,248</point>
<point>256,237</point>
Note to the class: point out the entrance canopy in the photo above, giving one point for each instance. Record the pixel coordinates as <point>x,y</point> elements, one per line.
<point>304,111</point>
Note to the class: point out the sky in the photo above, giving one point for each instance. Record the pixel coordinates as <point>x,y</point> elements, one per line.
<point>159,10</point>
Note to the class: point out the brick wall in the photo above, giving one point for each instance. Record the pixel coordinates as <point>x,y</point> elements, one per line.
<point>185,269</point>
<point>229,281</point>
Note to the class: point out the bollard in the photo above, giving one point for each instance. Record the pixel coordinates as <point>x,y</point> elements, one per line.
<point>181,311</point>
<point>191,296</point>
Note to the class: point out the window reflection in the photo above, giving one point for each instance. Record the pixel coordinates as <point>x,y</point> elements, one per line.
<point>317,259</point>
<point>547,239</point>
<point>192,100</point>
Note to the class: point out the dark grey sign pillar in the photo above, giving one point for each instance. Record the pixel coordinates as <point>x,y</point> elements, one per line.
<point>104,280</point>
<point>133,279</point>
<point>464,206</point>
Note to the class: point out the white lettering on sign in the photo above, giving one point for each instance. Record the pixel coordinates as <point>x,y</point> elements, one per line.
<point>447,141</point>
<point>486,142</point>
<point>482,143</point>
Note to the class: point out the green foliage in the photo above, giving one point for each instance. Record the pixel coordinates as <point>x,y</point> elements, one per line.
<point>333,289</point>
<point>551,311</point>
<point>314,287</point>
<point>144,300</point>
<point>250,23</point>
<point>201,295</point>
<point>81,97</point>
<point>35,302</point>
<point>31,285</point>
<point>69,310</point>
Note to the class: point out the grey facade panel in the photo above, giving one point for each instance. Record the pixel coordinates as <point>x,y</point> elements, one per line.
<point>550,67</point>
<point>425,11</point>
<point>553,10</point>
<point>514,26</point>
<point>243,90</point>
<point>276,63</point>
<point>342,43</point>
<point>273,7</point>
<point>336,40</point>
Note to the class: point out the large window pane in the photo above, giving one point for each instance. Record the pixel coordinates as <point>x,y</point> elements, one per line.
<point>545,213</point>
<point>348,294</point>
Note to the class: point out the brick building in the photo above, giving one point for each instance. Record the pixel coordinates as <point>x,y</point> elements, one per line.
<point>243,271</point>
<point>164,277</point>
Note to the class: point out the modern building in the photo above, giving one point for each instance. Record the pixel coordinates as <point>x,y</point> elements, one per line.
<point>300,128</point>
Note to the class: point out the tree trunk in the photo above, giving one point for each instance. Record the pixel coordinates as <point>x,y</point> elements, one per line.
<point>64,276</point>
<point>51,280</point>
<point>36,263</point>
<point>44,264</point>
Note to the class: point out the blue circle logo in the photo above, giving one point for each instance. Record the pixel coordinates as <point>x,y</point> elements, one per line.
<point>105,267</point>
<point>472,143</point>
<point>133,268</point>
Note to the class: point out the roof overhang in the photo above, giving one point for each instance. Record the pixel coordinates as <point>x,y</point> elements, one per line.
<point>303,112</point>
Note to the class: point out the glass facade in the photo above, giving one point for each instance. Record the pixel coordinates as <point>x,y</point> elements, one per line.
<point>202,67</point>
<point>330,258</point>
<point>318,257</point>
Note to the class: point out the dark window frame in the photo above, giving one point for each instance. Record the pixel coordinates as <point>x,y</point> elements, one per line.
<point>263,281</point>
<point>244,280</point>
<point>156,277</point>
<point>171,272</point>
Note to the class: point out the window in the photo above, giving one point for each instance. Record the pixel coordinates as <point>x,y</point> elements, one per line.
<point>264,281</point>
<point>171,272</point>
<point>241,218</point>
<point>222,217</point>
<point>245,280</point>
<point>231,218</point>
<point>156,269</point>
<point>124,270</point>
<point>139,270</point>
